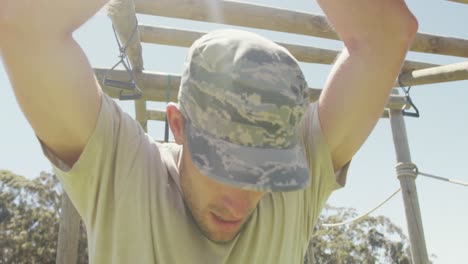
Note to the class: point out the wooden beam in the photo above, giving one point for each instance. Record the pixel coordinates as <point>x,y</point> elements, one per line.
<point>459,1</point>
<point>156,115</point>
<point>154,86</point>
<point>440,45</point>
<point>185,38</point>
<point>446,73</point>
<point>278,19</point>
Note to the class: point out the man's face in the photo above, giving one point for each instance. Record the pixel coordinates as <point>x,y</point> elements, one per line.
<point>219,210</point>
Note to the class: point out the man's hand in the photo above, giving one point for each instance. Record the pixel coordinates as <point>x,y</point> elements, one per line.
<point>52,79</point>
<point>376,34</point>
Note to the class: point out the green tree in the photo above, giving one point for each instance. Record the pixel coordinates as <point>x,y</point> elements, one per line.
<point>373,239</point>
<point>29,219</point>
<point>30,211</point>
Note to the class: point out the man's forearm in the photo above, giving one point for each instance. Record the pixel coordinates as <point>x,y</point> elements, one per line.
<point>371,23</point>
<point>44,18</point>
<point>377,34</point>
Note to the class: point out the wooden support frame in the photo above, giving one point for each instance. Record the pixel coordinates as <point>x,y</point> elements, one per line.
<point>408,189</point>
<point>394,102</point>
<point>155,85</point>
<point>282,20</point>
<point>185,38</point>
<point>154,88</point>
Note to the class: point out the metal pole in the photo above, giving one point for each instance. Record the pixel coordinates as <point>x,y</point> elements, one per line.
<point>408,189</point>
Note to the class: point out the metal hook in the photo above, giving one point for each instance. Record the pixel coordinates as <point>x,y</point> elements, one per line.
<point>415,113</point>
<point>131,84</point>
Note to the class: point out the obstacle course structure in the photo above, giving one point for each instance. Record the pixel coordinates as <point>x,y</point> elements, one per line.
<point>136,83</point>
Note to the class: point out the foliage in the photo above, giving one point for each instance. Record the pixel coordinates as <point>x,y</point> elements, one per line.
<point>29,219</point>
<point>29,224</point>
<point>369,240</point>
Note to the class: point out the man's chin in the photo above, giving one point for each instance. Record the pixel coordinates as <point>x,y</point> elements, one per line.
<point>221,237</point>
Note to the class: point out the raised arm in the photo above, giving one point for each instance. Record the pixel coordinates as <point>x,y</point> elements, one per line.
<point>376,34</point>
<point>52,79</point>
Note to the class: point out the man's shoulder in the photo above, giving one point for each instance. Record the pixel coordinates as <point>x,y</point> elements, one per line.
<point>169,148</point>
<point>170,155</point>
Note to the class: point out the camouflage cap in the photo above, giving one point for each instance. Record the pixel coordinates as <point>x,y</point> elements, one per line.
<point>243,97</point>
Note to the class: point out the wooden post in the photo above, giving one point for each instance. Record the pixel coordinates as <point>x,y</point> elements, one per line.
<point>140,113</point>
<point>408,189</point>
<point>122,14</point>
<point>69,233</point>
<point>156,115</point>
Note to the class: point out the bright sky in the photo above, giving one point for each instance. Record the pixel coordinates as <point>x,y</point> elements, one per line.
<point>438,140</point>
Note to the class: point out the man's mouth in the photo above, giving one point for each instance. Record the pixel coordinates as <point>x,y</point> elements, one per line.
<point>225,223</point>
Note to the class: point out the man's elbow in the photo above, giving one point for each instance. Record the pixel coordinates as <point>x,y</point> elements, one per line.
<point>401,41</point>
<point>401,29</point>
<point>409,27</point>
<point>394,35</point>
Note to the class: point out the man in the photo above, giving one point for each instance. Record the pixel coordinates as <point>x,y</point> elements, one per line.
<point>253,164</point>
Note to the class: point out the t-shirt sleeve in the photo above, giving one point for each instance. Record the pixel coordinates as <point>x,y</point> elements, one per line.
<point>96,181</point>
<point>324,180</point>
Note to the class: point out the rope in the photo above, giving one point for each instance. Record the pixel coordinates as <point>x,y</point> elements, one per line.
<point>403,170</point>
<point>443,179</point>
<point>411,170</point>
<point>365,214</point>
<point>406,170</point>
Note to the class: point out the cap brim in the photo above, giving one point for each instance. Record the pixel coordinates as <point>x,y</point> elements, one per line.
<point>258,169</point>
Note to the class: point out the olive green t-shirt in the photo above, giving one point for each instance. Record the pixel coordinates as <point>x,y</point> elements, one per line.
<point>126,188</point>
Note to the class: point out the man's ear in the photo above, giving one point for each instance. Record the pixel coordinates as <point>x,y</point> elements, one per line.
<point>176,122</point>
